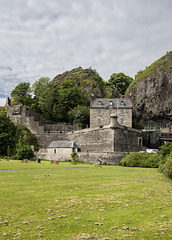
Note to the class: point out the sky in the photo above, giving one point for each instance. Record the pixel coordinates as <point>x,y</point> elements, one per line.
<point>40,38</point>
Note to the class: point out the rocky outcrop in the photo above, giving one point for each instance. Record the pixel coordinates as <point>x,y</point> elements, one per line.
<point>89,82</point>
<point>151,92</point>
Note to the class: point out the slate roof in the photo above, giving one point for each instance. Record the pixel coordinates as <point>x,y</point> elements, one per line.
<point>63,144</point>
<point>111,102</point>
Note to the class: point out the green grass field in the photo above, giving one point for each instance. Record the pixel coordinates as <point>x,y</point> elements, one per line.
<point>83,201</point>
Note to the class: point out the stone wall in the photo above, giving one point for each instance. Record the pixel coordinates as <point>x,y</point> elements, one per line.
<point>110,138</point>
<point>93,140</point>
<point>105,157</point>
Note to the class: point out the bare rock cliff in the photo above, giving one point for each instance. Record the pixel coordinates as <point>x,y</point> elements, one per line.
<point>151,92</point>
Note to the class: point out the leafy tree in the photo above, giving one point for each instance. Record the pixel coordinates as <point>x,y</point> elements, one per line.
<point>84,110</point>
<point>23,150</point>
<point>7,135</point>
<point>48,101</point>
<point>21,94</point>
<point>24,135</point>
<point>39,86</point>
<point>79,118</point>
<point>68,98</point>
<point>120,82</point>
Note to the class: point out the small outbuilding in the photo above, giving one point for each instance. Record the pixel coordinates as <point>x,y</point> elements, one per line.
<point>61,150</point>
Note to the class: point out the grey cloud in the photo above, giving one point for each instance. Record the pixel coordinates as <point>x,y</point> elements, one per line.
<point>44,38</point>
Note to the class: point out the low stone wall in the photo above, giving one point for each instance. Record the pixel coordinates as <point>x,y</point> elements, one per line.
<point>105,157</point>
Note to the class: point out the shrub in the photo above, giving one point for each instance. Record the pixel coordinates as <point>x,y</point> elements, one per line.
<point>75,157</point>
<point>23,151</point>
<point>135,159</point>
<point>165,150</point>
<point>168,166</point>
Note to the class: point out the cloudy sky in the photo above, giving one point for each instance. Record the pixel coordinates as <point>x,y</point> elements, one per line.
<point>40,38</point>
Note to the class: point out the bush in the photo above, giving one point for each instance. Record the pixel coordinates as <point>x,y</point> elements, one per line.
<point>135,159</point>
<point>75,157</point>
<point>23,151</point>
<point>168,166</point>
<point>165,150</point>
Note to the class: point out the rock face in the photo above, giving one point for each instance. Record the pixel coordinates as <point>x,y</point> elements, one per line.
<point>89,82</point>
<point>151,92</point>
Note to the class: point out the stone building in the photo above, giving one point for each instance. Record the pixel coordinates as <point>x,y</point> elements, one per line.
<point>107,141</point>
<point>102,108</point>
<point>58,150</point>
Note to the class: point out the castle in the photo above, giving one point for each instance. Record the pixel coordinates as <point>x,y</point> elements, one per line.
<point>110,134</point>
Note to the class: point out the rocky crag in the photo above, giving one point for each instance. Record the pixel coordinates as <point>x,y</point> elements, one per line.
<point>89,82</point>
<point>151,92</point>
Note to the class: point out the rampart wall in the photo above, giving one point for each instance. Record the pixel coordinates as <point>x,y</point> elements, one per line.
<point>111,138</point>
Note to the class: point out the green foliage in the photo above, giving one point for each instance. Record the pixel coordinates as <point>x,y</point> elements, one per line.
<point>39,86</point>
<point>15,139</point>
<point>23,151</point>
<point>165,150</point>
<point>168,166</point>
<point>21,94</point>
<point>48,101</point>
<point>69,97</point>
<point>120,81</point>
<point>24,135</point>
<point>79,119</point>
<point>75,157</point>
<point>143,160</point>
<point>85,115</point>
<point>7,135</point>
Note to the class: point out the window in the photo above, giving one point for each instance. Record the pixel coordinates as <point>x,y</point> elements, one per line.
<point>110,111</point>
<point>140,142</point>
<point>122,121</point>
<point>99,121</point>
<point>99,103</point>
<point>54,150</point>
<point>110,103</point>
<point>122,103</point>
<point>121,111</point>
<point>99,112</point>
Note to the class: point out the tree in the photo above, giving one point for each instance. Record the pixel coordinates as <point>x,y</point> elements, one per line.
<point>39,86</point>
<point>120,82</point>
<point>48,101</point>
<point>68,98</point>
<point>79,118</point>
<point>85,113</point>
<point>23,150</point>
<point>7,135</point>
<point>22,94</point>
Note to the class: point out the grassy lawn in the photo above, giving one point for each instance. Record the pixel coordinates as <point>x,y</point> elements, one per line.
<point>83,201</point>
